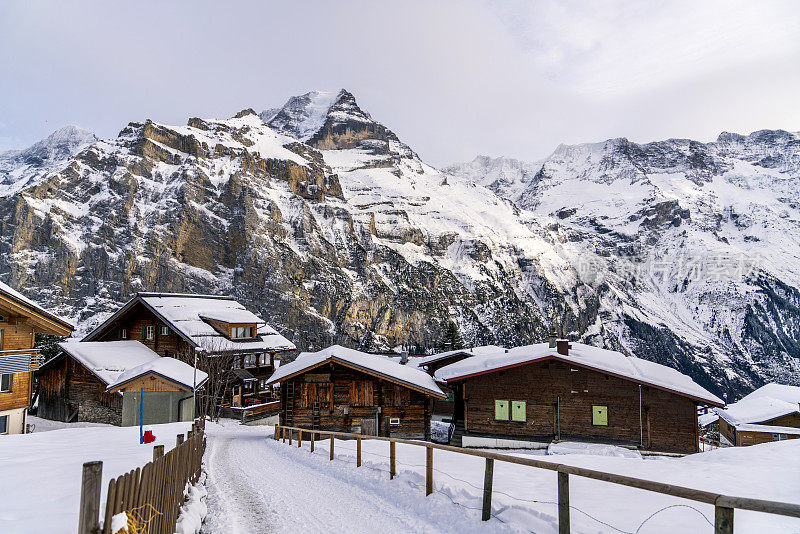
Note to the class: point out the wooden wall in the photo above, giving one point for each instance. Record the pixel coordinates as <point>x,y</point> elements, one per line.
<point>70,392</point>
<point>743,438</point>
<point>16,335</point>
<point>338,387</point>
<point>669,421</point>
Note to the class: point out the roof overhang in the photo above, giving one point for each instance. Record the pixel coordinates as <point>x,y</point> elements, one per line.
<point>583,366</point>
<point>44,320</point>
<point>361,368</point>
<point>113,388</point>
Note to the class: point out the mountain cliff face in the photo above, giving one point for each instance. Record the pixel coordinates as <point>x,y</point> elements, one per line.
<point>323,221</point>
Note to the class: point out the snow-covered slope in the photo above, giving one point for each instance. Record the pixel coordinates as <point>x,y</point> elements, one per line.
<point>22,168</point>
<point>322,221</point>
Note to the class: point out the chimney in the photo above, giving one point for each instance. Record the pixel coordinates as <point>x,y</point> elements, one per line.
<point>563,346</point>
<point>552,336</point>
<point>404,357</point>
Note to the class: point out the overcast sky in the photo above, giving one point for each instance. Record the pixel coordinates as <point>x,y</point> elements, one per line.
<point>452,79</point>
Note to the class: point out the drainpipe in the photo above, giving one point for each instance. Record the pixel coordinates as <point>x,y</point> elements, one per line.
<point>641,431</point>
<point>558,417</point>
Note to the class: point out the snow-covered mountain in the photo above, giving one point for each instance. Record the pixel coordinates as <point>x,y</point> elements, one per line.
<point>21,168</point>
<point>321,219</point>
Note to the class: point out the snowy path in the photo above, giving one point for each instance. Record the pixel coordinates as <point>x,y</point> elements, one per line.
<point>258,485</point>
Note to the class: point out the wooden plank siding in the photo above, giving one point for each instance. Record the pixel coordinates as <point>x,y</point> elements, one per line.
<point>340,389</point>
<point>17,334</point>
<point>68,391</point>
<point>561,397</point>
<point>743,438</point>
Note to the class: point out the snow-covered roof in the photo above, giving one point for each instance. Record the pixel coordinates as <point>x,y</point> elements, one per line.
<point>369,363</point>
<point>25,301</point>
<point>607,361</point>
<point>170,368</point>
<point>107,360</point>
<point>707,418</point>
<point>184,314</point>
<point>232,316</point>
<point>473,351</point>
<point>764,404</point>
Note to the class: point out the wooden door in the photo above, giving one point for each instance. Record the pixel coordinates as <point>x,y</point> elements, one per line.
<point>237,396</point>
<point>369,427</point>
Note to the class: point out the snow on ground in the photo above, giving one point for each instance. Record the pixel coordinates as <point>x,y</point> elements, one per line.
<point>256,484</point>
<point>44,469</point>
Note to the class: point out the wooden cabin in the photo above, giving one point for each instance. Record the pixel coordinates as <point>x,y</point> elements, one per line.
<point>573,392</point>
<point>20,320</point>
<point>770,413</point>
<point>102,382</point>
<point>430,364</point>
<point>346,390</point>
<point>223,333</point>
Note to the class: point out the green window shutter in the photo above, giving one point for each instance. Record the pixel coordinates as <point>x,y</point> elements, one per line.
<point>501,410</point>
<point>518,411</point>
<point>144,332</point>
<point>600,415</point>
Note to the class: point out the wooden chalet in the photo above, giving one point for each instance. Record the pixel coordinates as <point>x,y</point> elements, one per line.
<point>430,364</point>
<point>103,382</point>
<point>222,332</point>
<point>20,320</point>
<point>770,413</point>
<point>346,390</point>
<point>573,392</point>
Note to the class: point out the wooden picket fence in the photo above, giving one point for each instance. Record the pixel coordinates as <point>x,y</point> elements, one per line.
<point>152,495</point>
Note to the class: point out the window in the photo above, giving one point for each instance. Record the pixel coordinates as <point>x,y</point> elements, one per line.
<point>263,360</point>
<point>518,411</point>
<point>122,333</point>
<point>600,415</point>
<point>164,331</point>
<point>3,424</point>
<point>779,437</point>
<point>148,332</point>
<point>250,360</point>
<point>501,410</point>
<point>5,383</point>
<point>241,332</point>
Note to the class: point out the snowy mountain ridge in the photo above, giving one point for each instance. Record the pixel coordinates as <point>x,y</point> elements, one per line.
<point>320,219</point>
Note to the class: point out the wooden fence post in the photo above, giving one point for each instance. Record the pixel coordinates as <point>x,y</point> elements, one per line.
<point>563,503</point>
<point>283,434</point>
<point>158,452</point>
<point>331,447</point>
<point>313,436</point>
<point>488,477</point>
<point>358,452</point>
<point>299,439</point>
<point>392,469</point>
<point>428,470</point>
<point>290,435</point>
<point>179,440</point>
<point>89,513</point>
<point>723,520</point>
<point>275,434</point>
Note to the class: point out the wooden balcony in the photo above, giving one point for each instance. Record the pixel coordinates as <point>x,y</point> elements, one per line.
<point>20,360</point>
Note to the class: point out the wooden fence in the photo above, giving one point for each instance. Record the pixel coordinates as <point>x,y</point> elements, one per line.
<point>724,505</point>
<point>152,495</point>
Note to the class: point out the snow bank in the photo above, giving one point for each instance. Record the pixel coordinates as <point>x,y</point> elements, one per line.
<point>194,510</point>
<point>593,449</point>
<point>440,432</point>
<point>45,469</point>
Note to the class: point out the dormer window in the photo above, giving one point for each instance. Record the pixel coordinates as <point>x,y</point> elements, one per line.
<point>242,332</point>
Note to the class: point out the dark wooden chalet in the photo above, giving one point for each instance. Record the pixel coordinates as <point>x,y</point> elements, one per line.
<point>97,381</point>
<point>20,320</point>
<point>223,333</point>
<point>345,390</point>
<point>770,413</point>
<point>574,392</point>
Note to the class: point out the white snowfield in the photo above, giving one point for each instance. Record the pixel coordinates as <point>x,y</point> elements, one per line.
<point>610,361</point>
<point>256,484</point>
<point>41,472</point>
<point>380,365</point>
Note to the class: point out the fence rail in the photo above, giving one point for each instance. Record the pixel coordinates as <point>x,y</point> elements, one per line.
<point>151,495</point>
<point>724,505</point>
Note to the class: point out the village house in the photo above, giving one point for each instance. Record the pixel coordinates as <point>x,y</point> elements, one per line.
<point>346,390</point>
<point>770,413</point>
<point>111,381</point>
<point>236,347</point>
<point>20,320</point>
<point>539,393</point>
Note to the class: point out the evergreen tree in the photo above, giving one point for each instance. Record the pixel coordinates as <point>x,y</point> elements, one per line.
<point>452,338</point>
